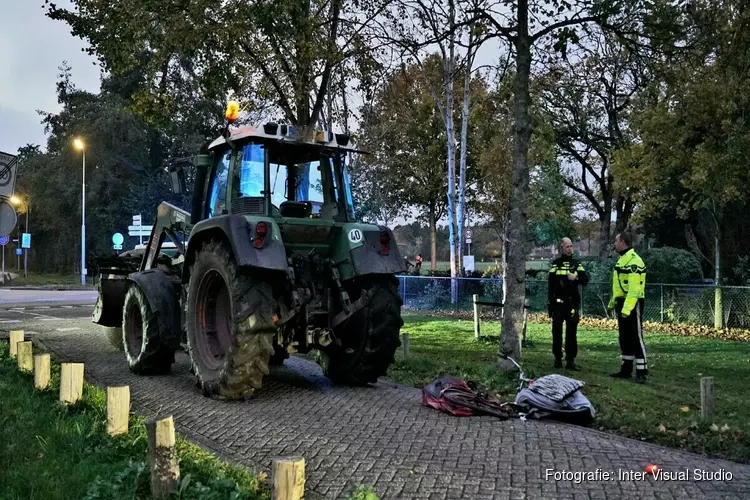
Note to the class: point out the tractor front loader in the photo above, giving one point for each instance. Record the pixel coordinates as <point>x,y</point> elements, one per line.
<point>270,261</point>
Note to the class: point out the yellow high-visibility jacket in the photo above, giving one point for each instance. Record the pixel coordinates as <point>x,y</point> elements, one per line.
<point>628,281</point>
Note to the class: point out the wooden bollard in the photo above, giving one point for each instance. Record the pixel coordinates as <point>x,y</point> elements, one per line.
<point>477,333</point>
<point>41,371</point>
<point>71,382</point>
<point>405,342</point>
<point>162,457</point>
<point>25,356</point>
<point>15,337</point>
<point>288,475</point>
<point>118,410</point>
<point>707,399</point>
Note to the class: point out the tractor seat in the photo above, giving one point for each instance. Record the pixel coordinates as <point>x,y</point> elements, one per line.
<point>297,209</point>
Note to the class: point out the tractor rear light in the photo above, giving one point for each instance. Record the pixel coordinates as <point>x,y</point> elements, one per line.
<point>261,230</point>
<point>258,242</point>
<point>385,238</point>
<point>385,241</point>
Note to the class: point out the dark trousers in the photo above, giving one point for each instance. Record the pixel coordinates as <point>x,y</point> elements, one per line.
<point>632,346</point>
<point>564,314</point>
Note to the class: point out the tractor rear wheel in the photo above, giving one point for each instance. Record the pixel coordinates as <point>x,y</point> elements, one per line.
<point>230,324</point>
<point>145,352</point>
<point>370,337</point>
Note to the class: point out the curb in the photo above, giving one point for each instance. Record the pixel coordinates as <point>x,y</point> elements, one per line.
<point>49,288</point>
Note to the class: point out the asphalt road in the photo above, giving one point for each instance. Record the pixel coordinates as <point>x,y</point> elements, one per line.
<point>30,297</point>
<point>380,435</point>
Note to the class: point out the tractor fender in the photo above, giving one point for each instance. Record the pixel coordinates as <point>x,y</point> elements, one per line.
<point>237,232</point>
<point>163,298</point>
<point>369,258</point>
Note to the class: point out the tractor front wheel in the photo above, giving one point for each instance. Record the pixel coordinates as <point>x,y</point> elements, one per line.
<point>145,352</point>
<point>230,324</point>
<point>370,337</point>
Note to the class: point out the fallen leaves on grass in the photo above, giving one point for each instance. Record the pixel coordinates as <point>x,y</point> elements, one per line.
<point>661,428</point>
<point>685,409</point>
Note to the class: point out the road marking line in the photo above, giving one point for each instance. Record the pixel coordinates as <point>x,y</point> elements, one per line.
<point>50,319</point>
<point>42,307</point>
<point>67,307</point>
<point>10,320</point>
<point>17,308</point>
<point>67,329</point>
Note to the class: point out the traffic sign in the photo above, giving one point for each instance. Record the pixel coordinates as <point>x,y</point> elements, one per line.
<point>26,240</point>
<point>19,251</point>
<point>468,236</point>
<point>137,220</point>
<point>118,238</point>
<point>117,247</point>
<point>4,240</point>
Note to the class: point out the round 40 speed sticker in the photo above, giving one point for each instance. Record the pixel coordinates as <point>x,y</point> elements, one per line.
<point>355,236</point>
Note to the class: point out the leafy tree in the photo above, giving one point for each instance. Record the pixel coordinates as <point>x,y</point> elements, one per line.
<point>407,136</point>
<point>276,56</point>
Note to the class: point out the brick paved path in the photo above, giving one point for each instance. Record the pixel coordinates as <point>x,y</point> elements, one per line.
<point>382,435</point>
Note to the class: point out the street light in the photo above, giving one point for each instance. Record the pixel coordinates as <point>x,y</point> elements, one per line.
<point>80,146</point>
<point>18,202</point>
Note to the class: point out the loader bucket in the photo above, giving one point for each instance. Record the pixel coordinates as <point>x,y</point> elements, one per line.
<point>113,285</point>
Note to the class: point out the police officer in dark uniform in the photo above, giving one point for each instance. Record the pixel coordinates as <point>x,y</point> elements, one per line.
<point>565,276</point>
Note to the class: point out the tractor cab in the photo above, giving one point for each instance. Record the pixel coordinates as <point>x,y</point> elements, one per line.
<point>272,171</point>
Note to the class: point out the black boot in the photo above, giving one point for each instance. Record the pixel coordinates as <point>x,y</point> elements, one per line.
<point>626,370</point>
<point>570,365</point>
<point>558,363</point>
<point>641,376</point>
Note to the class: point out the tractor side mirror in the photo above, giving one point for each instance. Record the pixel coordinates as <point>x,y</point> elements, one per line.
<point>177,178</point>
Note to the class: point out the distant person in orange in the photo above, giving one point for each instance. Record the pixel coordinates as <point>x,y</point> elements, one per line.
<point>418,266</point>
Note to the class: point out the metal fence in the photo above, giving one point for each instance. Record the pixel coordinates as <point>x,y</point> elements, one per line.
<point>690,304</point>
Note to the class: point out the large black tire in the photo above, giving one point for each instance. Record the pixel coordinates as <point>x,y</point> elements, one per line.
<point>370,337</point>
<point>230,324</point>
<point>279,355</point>
<point>144,350</point>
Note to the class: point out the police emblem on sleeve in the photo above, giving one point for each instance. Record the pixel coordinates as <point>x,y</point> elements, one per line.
<point>633,268</point>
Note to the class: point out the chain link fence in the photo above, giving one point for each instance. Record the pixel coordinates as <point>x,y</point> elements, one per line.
<point>689,304</point>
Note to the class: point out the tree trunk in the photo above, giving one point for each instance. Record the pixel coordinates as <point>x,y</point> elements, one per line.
<point>448,66</point>
<point>433,239</point>
<point>512,323</point>
<point>464,152</point>
<point>624,206</point>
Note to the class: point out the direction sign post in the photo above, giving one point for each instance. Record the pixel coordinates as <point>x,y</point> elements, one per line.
<point>137,222</point>
<point>468,240</point>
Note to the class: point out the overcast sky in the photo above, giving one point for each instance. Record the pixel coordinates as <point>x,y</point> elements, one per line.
<point>32,47</point>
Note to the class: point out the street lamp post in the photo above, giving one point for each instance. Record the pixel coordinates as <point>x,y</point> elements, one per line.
<point>27,207</point>
<point>79,145</point>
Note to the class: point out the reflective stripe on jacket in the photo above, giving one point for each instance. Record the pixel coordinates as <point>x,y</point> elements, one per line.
<point>628,281</point>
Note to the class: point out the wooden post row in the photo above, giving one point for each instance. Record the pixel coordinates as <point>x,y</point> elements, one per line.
<point>405,341</point>
<point>71,382</point>
<point>475,299</point>
<point>41,371</point>
<point>707,398</point>
<point>16,336</point>
<point>118,410</point>
<point>162,457</point>
<point>288,475</point>
<point>25,356</point>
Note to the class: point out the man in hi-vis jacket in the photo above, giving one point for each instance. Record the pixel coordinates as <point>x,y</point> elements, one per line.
<point>628,286</point>
<point>564,303</point>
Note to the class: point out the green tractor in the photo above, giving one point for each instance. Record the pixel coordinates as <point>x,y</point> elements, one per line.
<point>270,261</point>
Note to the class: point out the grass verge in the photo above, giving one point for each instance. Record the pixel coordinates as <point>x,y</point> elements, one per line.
<point>666,410</point>
<point>44,279</point>
<point>50,452</point>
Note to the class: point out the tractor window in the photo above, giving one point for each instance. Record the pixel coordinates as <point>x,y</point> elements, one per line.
<point>348,188</point>
<point>278,184</point>
<point>251,171</point>
<point>218,200</point>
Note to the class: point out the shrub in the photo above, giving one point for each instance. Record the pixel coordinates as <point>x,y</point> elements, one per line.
<point>671,265</point>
